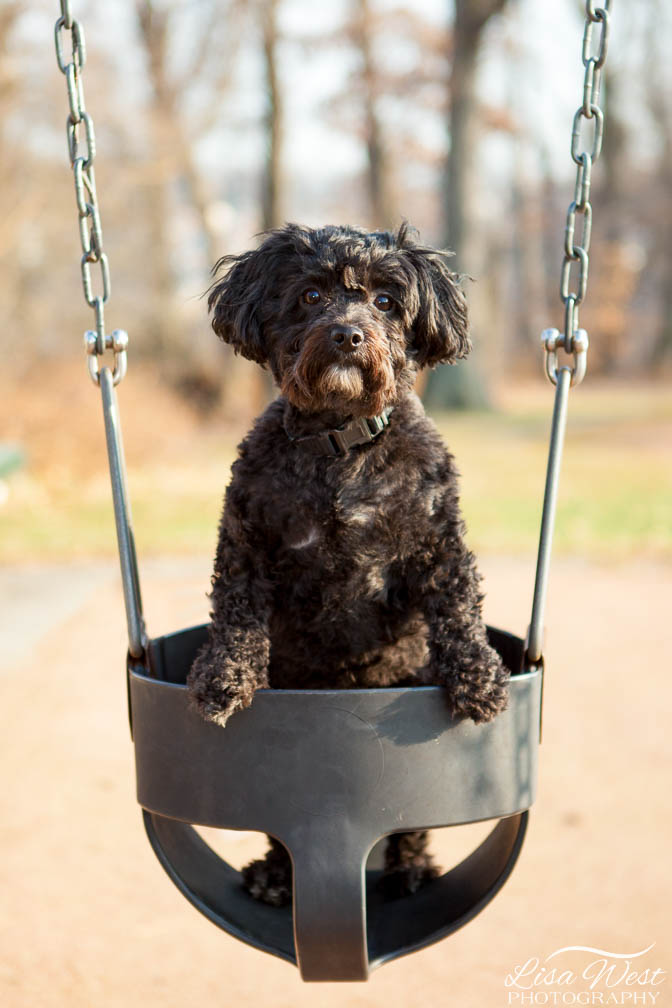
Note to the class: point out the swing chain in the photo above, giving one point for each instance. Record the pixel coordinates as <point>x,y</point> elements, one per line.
<point>96,341</point>
<point>82,155</point>
<point>574,340</point>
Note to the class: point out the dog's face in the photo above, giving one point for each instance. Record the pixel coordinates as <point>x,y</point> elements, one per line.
<point>343,317</point>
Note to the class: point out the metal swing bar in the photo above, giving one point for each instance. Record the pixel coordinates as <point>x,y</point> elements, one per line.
<point>96,341</point>
<point>137,636</point>
<point>573,340</point>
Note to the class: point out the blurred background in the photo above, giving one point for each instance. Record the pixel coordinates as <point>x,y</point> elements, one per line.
<point>215,119</point>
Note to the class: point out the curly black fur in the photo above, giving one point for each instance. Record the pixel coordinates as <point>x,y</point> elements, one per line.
<point>350,571</point>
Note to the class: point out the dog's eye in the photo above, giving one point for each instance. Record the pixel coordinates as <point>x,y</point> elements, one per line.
<point>311,296</point>
<point>384,302</point>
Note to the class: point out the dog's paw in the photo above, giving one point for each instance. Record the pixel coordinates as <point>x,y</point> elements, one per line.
<point>406,879</point>
<point>481,706</point>
<point>212,696</point>
<point>270,879</point>
<point>219,711</point>
<point>483,691</point>
<point>216,702</point>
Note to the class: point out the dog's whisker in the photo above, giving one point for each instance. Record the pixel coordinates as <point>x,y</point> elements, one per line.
<point>347,381</point>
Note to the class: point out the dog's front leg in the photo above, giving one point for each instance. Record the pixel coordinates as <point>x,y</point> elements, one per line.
<point>460,657</point>
<point>234,662</point>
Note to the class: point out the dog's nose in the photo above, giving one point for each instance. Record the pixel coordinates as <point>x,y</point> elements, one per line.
<point>347,337</point>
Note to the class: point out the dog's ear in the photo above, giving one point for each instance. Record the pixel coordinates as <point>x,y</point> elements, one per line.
<point>234,300</point>
<point>440,330</point>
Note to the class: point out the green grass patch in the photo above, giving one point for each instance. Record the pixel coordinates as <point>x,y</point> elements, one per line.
<point>615,496</point>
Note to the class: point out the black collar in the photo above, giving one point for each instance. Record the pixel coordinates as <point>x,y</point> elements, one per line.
<point>340,440</point>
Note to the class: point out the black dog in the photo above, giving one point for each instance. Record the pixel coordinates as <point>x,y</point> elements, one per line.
<point>341,561</point>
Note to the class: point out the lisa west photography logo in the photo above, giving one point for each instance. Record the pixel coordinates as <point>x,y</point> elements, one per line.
<point>582,975</point>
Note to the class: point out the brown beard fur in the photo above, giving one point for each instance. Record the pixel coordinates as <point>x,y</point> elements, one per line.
<point>365,384</point>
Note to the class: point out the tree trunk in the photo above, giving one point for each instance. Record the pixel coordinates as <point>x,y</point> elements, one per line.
<point>272,201</point>
<point>661,109</point>
<point>459,183</point>
<point>462,387</point>
<point>187,356</point>
<point>662,347</point>
<point>378,182</point>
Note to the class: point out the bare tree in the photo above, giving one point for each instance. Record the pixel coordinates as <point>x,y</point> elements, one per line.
<point>378,104</point>
<point>9,13</point>
<point>272,180</point>
<point>9,84</point>
<point>27,199</point>
<point>179,120</point>
<point>471,18</point>
<point>658,94</point>
<point>662,347</point>
<point>378,176</point>
<point>189,87</point>
<point>462,387</point>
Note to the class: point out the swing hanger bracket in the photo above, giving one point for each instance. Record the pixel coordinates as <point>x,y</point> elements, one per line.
<point>553,341</point>
<point>117,341</point>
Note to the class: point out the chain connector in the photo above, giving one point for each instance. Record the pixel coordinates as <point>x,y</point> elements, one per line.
<point>596,117</point>
<point>580,256</point>
<point>117,341</point>
<point>73,139</point>
<point>572,252</point>
<point>601,17</point>
<point>66,14</point>
<point>583,182</point>
<point>553,340</point>
<point>75,94</point>
<point>78,43</point>
<point>90,259</point>
<point>594,13</point>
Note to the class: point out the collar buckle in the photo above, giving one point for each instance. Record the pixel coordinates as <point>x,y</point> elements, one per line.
<point>339,441</point>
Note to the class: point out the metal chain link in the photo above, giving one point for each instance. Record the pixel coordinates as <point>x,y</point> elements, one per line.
<point>573,340</point>
<point>82,151</point>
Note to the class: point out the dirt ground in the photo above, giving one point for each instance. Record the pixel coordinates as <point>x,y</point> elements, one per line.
<point>89,920</point>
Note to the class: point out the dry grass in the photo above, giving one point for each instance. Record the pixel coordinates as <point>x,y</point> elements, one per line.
<point>616,489</point>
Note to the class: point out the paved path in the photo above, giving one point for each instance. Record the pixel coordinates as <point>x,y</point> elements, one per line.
<point>89,920</point>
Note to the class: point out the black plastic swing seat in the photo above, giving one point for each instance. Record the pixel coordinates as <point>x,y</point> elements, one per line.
<point>330,773</point>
